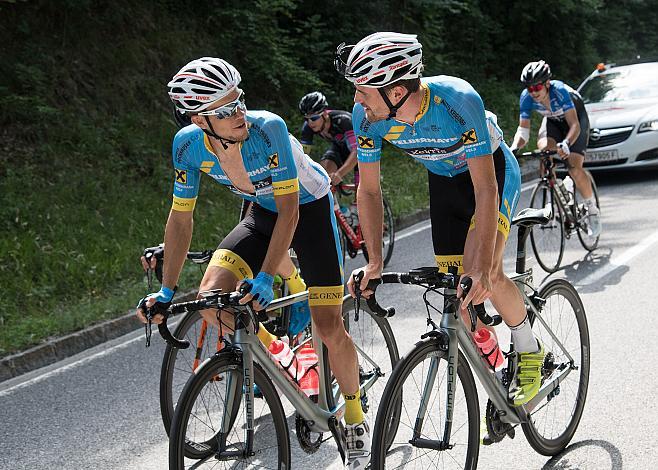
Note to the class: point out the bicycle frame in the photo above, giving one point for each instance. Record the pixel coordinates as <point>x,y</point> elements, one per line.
<point>458,337</point>
<point>355,237</point>
<point>319,417</point>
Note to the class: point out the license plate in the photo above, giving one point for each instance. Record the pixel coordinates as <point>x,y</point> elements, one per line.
<point>605,156</point>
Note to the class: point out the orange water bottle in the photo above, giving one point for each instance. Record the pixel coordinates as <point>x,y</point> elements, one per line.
<point>310,383</point>
<point>488,346</point>
<point>282,353</point>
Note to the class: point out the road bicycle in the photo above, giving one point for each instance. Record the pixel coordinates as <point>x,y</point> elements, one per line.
<point>372,336</point>
<point>351,236</point>
<point>439,424</point>
<point>218,418</point>
<point>568,214</point>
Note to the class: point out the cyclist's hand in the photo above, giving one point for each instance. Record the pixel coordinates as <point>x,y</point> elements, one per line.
<point>480,289</point>
<point>160,301</point>
<point>563,149</point>
<point>151,256</point>
<point>336,179</point>
<point>369,272</point>
<point>259,290</point>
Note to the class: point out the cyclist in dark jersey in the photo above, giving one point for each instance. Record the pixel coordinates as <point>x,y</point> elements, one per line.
<point>565,127</point>
<point>334,126</point>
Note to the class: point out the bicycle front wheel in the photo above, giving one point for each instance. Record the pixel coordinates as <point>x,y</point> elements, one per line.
<point>548,239</point>
<point>420,381</point>
<point>554,421</point>
<point>205,404</point>
<point>588,241</point>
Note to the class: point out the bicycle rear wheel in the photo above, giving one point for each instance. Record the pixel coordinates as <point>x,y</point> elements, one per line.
<point>589,242</point>
<point>200,411</point>
<point>411,379</point>
<point>548,240</point>
<point>554,421</point>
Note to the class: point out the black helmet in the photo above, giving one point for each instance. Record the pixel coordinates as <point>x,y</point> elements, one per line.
<point>313,103</point>
<point>535,72</point>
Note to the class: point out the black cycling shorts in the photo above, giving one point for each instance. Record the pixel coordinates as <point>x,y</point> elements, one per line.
<point>558,130</point>
<point>316,243</point>
<point>334,154</point>
<point>452,208</point>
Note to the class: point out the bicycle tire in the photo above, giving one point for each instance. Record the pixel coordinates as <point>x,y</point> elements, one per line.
<point>554,227</point>
<point>389,232</point>
<point>559,294</point>
<point>589,243</point>
<point>394,392</point>
<point>173,377</point>
<point>225,365</point>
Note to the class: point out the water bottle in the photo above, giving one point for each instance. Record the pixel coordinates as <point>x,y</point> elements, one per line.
<point>282,353</point>
<point>310,383</point>
<point>568,185</point>
<point>488,346</point>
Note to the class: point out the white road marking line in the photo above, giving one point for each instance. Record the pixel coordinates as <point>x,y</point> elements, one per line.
<point>619,261</point>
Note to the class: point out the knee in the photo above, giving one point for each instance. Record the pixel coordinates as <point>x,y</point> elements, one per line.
<point>330,330</point>
<point>498,278</point>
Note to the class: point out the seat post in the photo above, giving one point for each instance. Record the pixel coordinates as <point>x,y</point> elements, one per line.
<point>523,233</point>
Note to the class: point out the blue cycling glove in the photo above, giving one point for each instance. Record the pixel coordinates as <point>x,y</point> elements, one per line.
<point>261,288</point>
<point>163,297</point>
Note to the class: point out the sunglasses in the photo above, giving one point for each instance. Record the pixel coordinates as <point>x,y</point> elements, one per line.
<point>313,118</point>
<point>535,88</point>
<point>229,109</point>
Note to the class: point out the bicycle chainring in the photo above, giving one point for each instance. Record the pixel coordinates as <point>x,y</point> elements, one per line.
<point>305,436</point>
<point>496,429</point>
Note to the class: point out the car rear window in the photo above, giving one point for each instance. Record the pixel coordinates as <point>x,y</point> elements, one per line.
<point>630,83</point>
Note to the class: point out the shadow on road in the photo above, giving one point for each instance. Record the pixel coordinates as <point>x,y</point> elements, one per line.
<point>568,460</point>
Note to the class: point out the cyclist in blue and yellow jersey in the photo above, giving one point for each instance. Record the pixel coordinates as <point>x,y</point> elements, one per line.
<point>441,122</point>
<point>334,126</point>
<point>565,127</point>
<point>254,156</point>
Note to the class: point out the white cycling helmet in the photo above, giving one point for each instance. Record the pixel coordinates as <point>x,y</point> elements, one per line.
<point>380,59</point>
<point>202,82</point>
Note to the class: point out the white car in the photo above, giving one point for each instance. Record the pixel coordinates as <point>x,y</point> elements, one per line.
<point>622,104</point>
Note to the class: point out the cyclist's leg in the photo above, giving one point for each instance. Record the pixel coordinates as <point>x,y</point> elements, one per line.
<point>576,159</point>
<point>318,251</point>
<point>331,160</point>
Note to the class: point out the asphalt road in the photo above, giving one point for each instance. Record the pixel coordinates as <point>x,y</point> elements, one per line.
<point>99,409</point>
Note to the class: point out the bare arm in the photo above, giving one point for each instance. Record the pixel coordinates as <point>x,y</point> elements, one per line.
<point>287,206</point>
<point>485,187</point>
<point>348,166</point>
<point>574,125</point>
<point>178,235</point>
<point>371,217</point>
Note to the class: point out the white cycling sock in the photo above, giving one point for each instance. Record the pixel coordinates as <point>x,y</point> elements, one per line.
<point>522,337</point>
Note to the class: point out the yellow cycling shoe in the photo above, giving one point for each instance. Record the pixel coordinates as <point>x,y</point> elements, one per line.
<point>528,376</point>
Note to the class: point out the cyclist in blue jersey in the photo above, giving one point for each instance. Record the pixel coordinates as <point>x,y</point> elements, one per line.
<point>441,122</point>
<point>565,127</point>
<point>254,156</point>
<point>334,126</point>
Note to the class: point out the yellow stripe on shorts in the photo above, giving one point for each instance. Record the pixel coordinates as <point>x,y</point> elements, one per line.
<point>325,295</point>
<point>445,261</point>
<point>228,260</point>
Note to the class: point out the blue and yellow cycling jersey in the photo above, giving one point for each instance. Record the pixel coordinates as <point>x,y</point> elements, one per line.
<point>450,127</point>
<point>274,161</point>
<point>560,102</point>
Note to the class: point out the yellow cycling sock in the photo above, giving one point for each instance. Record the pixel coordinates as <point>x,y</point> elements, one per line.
<point>265,336</point>
<point>353,410</point>
<point>295,282</point>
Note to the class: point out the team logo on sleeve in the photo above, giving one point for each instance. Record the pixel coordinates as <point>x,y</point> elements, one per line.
<point>273,160</point>
<point>366,143</point>
<point>469,137</point>
<point>181,176</point>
